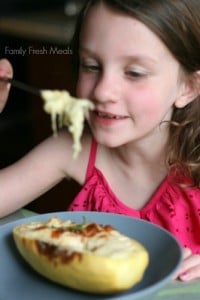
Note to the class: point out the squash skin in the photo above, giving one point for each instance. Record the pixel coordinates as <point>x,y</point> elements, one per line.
<point>87,272</point>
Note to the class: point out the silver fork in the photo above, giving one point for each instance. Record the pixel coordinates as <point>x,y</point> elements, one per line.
<point>21,85</point>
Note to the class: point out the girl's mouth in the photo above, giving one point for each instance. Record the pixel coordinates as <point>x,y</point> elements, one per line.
<point>109,116</point>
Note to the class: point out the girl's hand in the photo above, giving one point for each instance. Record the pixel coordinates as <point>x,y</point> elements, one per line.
<point>6,70</point>
<point>190,268</point>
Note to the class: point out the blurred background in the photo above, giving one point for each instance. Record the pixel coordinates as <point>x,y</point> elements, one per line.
<point>13,6</point>
<point>35,36</point>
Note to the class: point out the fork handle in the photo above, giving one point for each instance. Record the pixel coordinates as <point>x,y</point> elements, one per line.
<point>22,86</point>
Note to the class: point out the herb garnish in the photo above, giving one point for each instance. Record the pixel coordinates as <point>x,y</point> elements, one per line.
<point>79,227</point>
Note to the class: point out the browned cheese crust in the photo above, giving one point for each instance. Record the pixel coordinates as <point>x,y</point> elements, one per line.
<point>88,257</point>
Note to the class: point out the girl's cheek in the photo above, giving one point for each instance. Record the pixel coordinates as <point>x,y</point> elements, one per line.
<point>84,88</point>
<point>148,107</point>
<point>79,88</point>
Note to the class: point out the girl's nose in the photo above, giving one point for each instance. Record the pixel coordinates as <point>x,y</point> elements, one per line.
<point>106,89</point>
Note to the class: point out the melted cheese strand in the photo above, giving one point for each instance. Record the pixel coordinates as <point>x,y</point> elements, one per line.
<point>69,111</point>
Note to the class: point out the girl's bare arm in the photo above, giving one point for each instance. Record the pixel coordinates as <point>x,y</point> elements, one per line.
<point>39,171</point>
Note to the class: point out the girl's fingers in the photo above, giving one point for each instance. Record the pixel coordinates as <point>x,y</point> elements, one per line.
<point>6,70</point>
<point>190,268</point>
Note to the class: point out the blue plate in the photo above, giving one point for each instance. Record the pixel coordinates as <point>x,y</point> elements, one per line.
<point>19,281</point>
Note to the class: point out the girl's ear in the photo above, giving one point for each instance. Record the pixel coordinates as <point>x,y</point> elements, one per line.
<point>190,90</point>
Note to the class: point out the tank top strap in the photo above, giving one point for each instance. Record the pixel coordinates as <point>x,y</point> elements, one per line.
<point>92,158</point>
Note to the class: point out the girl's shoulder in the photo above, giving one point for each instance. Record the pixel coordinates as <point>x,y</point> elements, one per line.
<point>181,184</point>
<point>174,198</point>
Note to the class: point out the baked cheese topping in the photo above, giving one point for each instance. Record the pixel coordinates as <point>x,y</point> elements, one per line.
<point>69,111</point>
<point>79,238</point>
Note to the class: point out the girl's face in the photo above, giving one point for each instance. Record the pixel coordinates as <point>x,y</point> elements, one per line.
<point>129,74</point>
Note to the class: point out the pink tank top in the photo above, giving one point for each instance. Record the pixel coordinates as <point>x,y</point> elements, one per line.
<point>175,208</point>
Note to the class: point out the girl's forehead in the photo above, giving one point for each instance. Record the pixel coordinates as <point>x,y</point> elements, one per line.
<point>105,29</point>
<point>101,21</point>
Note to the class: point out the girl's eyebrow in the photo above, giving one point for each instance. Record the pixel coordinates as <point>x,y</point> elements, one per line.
<point>138,58</point>
<point>86,50</point>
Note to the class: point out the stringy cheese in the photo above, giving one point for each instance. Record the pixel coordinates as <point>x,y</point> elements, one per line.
<point>106,243</point>
<point>69,111</point>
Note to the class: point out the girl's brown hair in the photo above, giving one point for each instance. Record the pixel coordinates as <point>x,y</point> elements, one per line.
<point>177,24</point>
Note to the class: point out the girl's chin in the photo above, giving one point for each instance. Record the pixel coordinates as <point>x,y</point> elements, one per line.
<point>107,142</point>
<point>106,138</point>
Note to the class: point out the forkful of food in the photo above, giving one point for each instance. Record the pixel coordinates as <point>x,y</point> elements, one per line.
<point>65,110</point>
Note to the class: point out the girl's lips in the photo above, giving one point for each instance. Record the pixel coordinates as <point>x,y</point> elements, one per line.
<point>107,118</point>
<point>108,115</point>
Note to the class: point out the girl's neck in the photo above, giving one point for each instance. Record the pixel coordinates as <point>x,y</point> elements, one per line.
<point>130,171</point>
<point>137,154</point>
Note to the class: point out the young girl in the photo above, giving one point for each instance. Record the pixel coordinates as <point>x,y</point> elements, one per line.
<point>139,63</point>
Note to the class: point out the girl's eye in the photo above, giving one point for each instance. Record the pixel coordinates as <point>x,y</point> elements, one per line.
<point>135,74</point>
<point>89,67</point>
